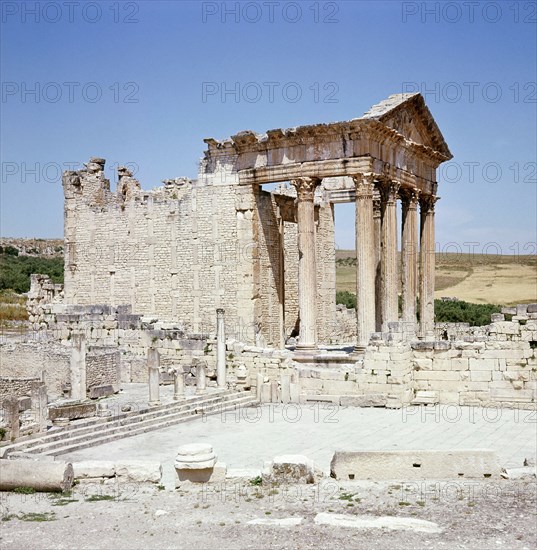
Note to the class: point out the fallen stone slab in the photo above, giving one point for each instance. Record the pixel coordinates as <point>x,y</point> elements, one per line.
<point>73,411</point>
<point>139,470</point>
<point>279,522</point>
<point>38,475</point>
<point>87,469</point>
<point>391,523</point>
<point>415,465</point>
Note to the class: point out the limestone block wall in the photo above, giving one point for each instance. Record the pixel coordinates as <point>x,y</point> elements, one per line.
<point>25,362</point>
<point>326,272</point>
<point>32,359</point>
<point>500,368</point>
<point>16,387</point>
<point>290,235</point>
<point>181,251</point>
<point>43,292</point>
<point>103,367</point>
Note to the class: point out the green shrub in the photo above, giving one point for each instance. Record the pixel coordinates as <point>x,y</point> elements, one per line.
<point>348,299</point>
<point>15,270</point>
<point>464,312</point>
<point>444,312</point>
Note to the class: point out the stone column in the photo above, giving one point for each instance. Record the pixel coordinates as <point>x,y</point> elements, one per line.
<point>365,260</point>
<point>178,383</point>
<point>78,367</point>
<point>307,272</point>
<point>378,276</point>
<point>389,271</point>
<point>427,266</point>
<point>153,366</point>
<point>39,400</point>
<point>201,376</point>
<point>220,349</point>
<point>409,254</point>
<point>11,415</point>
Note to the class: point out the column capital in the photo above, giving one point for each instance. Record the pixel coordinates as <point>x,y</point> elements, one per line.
<point>305,187</point>
<point>427,203</point>
<point>364,185</point>
<point>409,197</point>
<point>388,190</point>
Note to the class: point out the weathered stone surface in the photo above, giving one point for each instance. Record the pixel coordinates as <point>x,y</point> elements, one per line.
<point>101,391</point>
<point>370,400</point>
<point>290,469</point>
<point>38,475</point>
<point>420,464</point>
<point>73,411</point>
<point>93,468</point>
<point>212,474</point>
<point>392,523</point>
<point>139,470</point>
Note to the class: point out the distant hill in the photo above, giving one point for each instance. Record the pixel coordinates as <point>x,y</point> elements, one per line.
<point>51,248</point>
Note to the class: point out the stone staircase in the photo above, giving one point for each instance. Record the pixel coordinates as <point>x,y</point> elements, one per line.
<point>81,434</point>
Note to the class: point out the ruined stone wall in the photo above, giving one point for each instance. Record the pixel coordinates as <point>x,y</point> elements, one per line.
<point>30,360</point>
<point>16,387</point>
<point>103,367</point>
<point>500,367</point>
<point>290,236</point>
<point>179,252</point>
<point>43,292</point>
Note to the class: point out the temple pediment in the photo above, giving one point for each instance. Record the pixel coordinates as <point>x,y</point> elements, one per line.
<point>409,115</point>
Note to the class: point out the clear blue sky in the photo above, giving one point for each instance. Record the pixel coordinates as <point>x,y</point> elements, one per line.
<point>151,62</point>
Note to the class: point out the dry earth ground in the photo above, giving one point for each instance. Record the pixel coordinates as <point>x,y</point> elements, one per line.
<point>471,515</point>
<point>477,278</point>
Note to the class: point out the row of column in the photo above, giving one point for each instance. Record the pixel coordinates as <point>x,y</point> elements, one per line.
<point>377,265</point>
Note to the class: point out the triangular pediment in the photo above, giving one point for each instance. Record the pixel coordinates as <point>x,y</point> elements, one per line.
<point>408,114</point>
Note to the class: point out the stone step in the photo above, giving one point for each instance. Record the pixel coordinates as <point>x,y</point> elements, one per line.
<point>97,421</point>
<point>97,425</point>
<point>106,436</point>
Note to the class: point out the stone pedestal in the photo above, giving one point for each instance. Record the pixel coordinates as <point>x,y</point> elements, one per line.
<point>153,366</point>
<point>307,271</point>
<point>220,349</point>
<point>196,463</point>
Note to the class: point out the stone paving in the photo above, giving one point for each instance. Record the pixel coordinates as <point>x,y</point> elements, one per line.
<point>247,437</point>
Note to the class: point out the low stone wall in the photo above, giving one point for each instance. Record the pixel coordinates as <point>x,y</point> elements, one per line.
<point>502,369</point>
<point>33,360</point>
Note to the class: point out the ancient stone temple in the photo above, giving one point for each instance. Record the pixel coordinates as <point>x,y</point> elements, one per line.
<point>191,247</point>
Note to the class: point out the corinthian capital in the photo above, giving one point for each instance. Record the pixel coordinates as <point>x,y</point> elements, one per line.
<point>427,203</point>
<point>409,197</point>
<point>388,190</point>
<point>364,185</point>
<point>305,187</point>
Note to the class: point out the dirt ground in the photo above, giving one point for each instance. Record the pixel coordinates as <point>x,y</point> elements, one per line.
<point>477,278</point>
<point>471,515</point>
